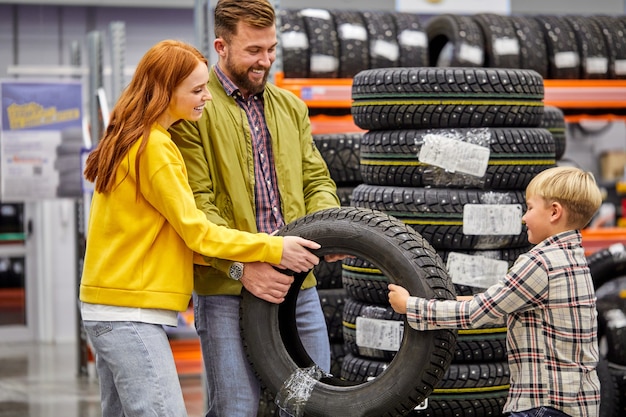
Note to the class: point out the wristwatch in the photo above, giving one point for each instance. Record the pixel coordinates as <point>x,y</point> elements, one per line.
<point>236,271</point>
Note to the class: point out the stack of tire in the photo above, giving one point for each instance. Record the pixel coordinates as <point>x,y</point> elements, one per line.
<point>320,43</point>
<point>553,120</point>
<point>557,47</point>
<point>608,269</point>
<point>449,151</point>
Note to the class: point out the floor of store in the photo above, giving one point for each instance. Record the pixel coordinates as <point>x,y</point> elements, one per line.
<point>41,380</point>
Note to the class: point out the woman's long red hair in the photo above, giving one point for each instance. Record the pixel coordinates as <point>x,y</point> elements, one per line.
<point>140,105</point>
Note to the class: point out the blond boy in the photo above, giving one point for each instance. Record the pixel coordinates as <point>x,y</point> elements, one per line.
<point>547,300</point>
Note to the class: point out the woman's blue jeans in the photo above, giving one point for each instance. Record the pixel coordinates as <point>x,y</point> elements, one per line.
<point>136,369</point>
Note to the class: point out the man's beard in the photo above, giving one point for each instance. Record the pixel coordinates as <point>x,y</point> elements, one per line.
<point>241,79</point>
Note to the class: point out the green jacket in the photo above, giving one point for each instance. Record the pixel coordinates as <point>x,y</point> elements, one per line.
<point>218,153</point>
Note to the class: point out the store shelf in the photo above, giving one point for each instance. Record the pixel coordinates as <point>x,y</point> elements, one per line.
<point>587,98</point>
<point>319,92</point>
<point>601,238</point>
<point>586,94</point>
<point>322,124</point>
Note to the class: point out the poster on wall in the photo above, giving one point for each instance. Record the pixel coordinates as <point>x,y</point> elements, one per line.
<point>41,139</point>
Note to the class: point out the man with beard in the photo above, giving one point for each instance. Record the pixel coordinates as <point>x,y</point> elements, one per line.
<point>253,166</point>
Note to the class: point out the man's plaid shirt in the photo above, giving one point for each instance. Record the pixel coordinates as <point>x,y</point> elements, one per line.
<point>548,301</point>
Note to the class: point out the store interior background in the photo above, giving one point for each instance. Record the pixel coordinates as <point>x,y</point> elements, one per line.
<point>35,41</point>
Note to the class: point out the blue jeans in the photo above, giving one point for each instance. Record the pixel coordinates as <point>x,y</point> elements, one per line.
<point>539,412</point>
<point>136,370</point>
<point>233,389</point>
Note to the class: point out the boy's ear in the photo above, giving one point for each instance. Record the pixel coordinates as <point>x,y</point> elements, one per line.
<point>556,211</point>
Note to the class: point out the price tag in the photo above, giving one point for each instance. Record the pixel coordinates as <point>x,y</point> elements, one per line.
<point>475,271</point>
<point>492,219</point>
<point>379,334</point>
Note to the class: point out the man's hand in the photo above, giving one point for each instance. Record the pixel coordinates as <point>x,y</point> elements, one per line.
<point>398,297</point>
<point>296,254</point>
<point>265,282</point>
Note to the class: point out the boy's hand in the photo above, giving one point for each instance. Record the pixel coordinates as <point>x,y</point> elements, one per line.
<point>398,297</point>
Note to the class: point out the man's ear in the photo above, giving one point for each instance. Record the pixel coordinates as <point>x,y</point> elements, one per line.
<point>219,46</point>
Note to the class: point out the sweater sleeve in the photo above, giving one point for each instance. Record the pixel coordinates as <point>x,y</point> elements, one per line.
<point>166,187</point>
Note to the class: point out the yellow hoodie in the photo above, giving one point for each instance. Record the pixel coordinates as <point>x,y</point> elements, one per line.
<point>140,250</point>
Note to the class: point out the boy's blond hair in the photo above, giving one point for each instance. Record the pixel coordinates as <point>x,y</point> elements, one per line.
<point>576,190</point>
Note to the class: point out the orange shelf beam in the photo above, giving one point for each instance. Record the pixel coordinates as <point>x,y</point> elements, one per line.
<point>566,94</point>
<point>581,94</point>
<point>319,92</point>
<point>601,238</point>
<point>323,124</point>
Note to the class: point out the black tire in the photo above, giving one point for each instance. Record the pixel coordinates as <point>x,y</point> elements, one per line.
<point>594,57</point>
<point>323,43</point>
<point>328,275</point>
<point>553,121</point>
<point>457,377</point>
<point>481,391</point>
<point>438,213</point>
<point>455,41</point>
<point>607,264</point>
<point>513,157</point>
<point>501,43</point>
<point>533,52</point>
<point>611,307</point>
<point>341,152</point>
<point>269,330</point>
<point>563,54</point>
<point>333,302</point>
<point>472,345</point>
<point>609,394</point>
<point>482,403</point>
<point>424,98</point>
<point>384,50</point>
<point>294,42</point>
<point>412,39</point>
<point>614,32</point>
<point>345,195</point>
<point>481,345</point>
<point>353,44</point>
<point>354,309</point>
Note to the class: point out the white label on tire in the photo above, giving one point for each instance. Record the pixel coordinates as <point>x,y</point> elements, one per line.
<point>379,334</point>
<point>324,63</point>
<point>350,31</point>
<point>492,219</point>
<point>388,50</point>
<point>454,155</point>
<point>472,54</point>
<point>620,66</point>
<point>566,59</point>
<point>597,65</point>
<point>474,270</point>
<point>294,40</point>
<point>506,46</point>
<point>413,38</point>
<point>316,13</point>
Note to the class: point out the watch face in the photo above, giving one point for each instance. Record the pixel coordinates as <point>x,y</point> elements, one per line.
<point>236,270</point>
